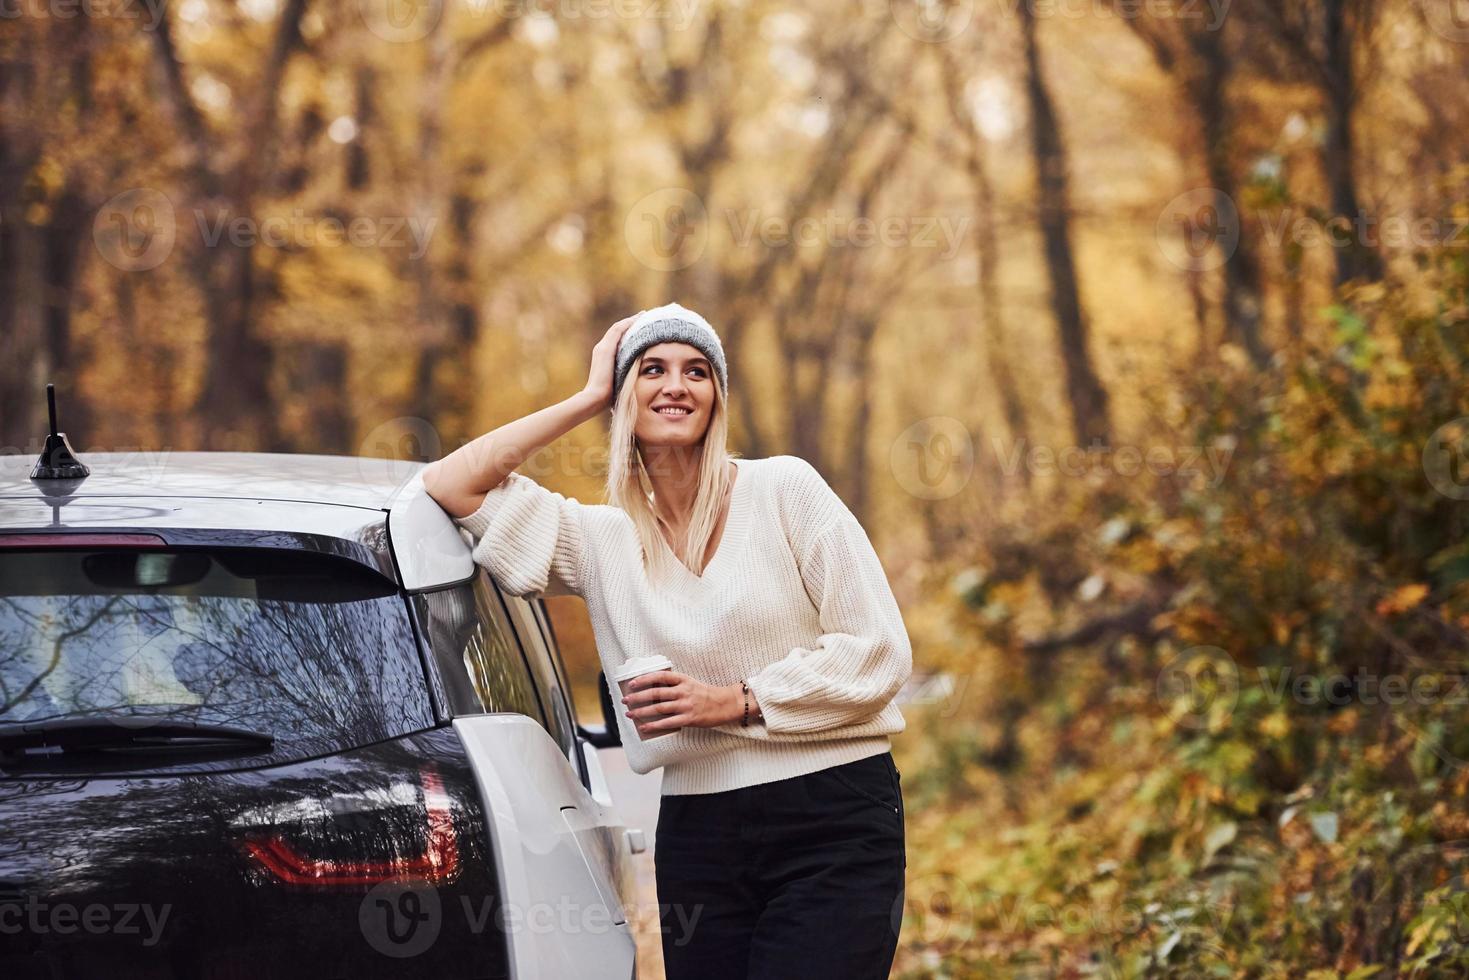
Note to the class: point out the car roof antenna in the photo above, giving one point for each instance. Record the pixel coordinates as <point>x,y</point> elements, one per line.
<point>57,461</point>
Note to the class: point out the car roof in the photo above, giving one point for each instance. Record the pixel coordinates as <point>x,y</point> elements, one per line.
<point>352,481</point>
<point>312,500</point>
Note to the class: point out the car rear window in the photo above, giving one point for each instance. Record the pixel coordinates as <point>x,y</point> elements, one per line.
<point>315,650</point>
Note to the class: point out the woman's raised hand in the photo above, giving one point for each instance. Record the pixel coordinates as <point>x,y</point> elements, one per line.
<point>460,480</point>
<point>604,361</point>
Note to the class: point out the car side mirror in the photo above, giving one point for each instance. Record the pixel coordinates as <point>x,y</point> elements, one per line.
<point>606,735</point>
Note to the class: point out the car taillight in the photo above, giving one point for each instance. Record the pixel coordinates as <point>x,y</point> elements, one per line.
<point>438,862</point>
<point>81,540</point>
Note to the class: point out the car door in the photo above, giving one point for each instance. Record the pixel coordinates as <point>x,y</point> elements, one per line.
<point>561,911</point>
<point>599,827</point>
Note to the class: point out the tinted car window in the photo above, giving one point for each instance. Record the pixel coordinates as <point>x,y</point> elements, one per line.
<point>543,617</point>
<point>552,694</point>
<point>476,651</point>
<point>314,650</point>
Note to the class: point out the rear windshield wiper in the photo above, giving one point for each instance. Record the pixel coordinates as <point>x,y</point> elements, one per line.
<point>102,732</point>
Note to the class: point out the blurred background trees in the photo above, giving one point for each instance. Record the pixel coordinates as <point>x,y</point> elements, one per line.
<point>1134,333</point>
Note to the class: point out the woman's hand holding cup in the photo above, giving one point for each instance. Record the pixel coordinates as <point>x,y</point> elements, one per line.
<point>662,701</point>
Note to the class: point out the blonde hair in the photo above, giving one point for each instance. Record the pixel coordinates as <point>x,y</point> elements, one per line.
<point>629,487</point>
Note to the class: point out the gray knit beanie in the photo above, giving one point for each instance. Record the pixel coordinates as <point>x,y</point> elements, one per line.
<point>664,324</point>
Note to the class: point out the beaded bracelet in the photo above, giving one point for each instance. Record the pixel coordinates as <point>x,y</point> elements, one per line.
<point>745,721</point>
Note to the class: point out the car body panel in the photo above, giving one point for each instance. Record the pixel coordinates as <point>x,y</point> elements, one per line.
<point>344,481</point>
<point>432,551</point>
<point>162,868</point>
<point>561,854</point>
<point>352,532</point>
<point>259,491</point>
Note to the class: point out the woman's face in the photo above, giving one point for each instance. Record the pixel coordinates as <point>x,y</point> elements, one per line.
<point>674,391</point>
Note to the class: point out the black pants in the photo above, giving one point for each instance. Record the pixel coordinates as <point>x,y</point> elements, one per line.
<point>800,878</point>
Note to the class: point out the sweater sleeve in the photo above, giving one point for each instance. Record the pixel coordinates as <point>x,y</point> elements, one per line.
<point>682,746</point>
<point>863,656</point>
<point>532,540</point>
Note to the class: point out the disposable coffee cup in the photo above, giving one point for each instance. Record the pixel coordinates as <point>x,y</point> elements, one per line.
<point>637,667</point>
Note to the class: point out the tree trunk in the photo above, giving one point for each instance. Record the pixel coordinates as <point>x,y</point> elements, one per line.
<point>69,228</point>
<point>1194,56</point>
<point>40,262</point>
<point>987,254</point>
<point>22,391</point>
<point>1083,388</point>
<point>858,486</point>
<point>1243,302</point>
<point>316,374</point>
<point>1355,258</point>
<point>992,318</point>
<point>235,403</point>
<point>446,365</point>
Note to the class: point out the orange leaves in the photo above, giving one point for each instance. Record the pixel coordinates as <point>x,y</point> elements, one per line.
<point>1402,599</point>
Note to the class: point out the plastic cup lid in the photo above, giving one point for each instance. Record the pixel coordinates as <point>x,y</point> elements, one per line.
<point>641,665</point>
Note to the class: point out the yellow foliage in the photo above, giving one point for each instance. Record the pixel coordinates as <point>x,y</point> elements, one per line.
<point>1402,599</point>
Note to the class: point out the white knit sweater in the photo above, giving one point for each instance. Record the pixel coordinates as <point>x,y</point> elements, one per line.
<point>795,602</point>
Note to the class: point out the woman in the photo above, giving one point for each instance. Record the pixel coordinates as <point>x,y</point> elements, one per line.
<point>779,850</point>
